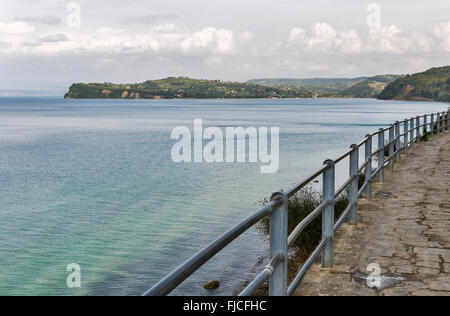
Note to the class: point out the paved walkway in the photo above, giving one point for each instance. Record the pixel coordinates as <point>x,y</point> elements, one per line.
<point>405,229</point>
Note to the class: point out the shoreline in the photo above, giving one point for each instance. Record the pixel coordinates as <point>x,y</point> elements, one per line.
<point>265,98</point>
<point>318,98</point>
<point>222,99</point>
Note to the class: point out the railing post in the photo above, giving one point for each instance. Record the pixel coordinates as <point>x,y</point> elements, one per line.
<point>381,155</point>
<point>391,147</point>
<point>397,137</point>
<point>411,131</point>
<point>278,243</point>
<point>425,123</point>
<point>448,120</point>
<point>353,188</point>
<point>444,125</point>
<point>368,169</point>
<point>432,125</point>
<point>405,136</point>
<point>445,119</point>
<point>328,215</point>
<point>418,128</point>
<point>438,119</point>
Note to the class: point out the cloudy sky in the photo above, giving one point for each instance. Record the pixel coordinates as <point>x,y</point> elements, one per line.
<point>52,43</point>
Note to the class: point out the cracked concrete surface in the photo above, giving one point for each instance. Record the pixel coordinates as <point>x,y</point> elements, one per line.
<point>405,229</point>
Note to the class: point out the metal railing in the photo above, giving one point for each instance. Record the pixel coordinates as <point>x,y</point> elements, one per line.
<point>277,209</point>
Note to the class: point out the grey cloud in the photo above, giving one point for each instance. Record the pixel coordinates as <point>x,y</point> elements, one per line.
<point>147,19</point>
<point>32,43</point>
<point>47,19</point>
<point>56,38</point>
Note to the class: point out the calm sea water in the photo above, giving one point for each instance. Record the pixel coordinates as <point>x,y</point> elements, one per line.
<point>92,182</point>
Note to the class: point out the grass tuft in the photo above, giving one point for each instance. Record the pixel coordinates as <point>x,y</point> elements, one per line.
<point>299,207</point>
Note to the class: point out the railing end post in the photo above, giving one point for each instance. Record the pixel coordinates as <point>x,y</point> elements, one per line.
<point>328,162</point>
<point>328,214</point>
<point>278,227</point>
<point>278,195</point>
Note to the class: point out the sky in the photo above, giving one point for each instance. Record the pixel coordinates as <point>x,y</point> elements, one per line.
<point>53,43</point>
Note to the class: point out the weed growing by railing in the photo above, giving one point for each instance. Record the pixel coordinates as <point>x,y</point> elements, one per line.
<point>299,207</point>
<point>361,179</point>
<point>425,135</point>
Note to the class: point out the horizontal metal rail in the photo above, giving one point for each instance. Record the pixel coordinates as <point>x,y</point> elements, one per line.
<point>375,173</point>
<point>342,157</point>
<point>365,163</point>
<point>344,186</point>
<point>297,187</point>
<point>277,209</point>
<point>308,219</point>
<point>391,142</point>
<point>363,188</point>
<point>377,151</point>
<point>306,266</point>
<point>166,285</point>
<point>362,142</point>
<point>263,276</point>
<point>344,215</point>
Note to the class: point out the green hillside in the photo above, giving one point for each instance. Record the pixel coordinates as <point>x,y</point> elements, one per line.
<point>433,84</point>
<point>181,87</point>
<point>370,87</point>
<point>332,84</point>
<point>361,87</point>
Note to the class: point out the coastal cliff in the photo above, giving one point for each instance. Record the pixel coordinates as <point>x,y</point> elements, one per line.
<point>181,87</point>
<point>431,85</point>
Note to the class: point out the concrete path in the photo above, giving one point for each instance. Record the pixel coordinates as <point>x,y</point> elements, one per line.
<point>405,229</point>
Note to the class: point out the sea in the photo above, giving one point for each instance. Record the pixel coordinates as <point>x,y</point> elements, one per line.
<point>94,183</point>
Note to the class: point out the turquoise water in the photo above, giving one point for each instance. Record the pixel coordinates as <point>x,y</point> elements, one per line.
<point>92,182</point>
